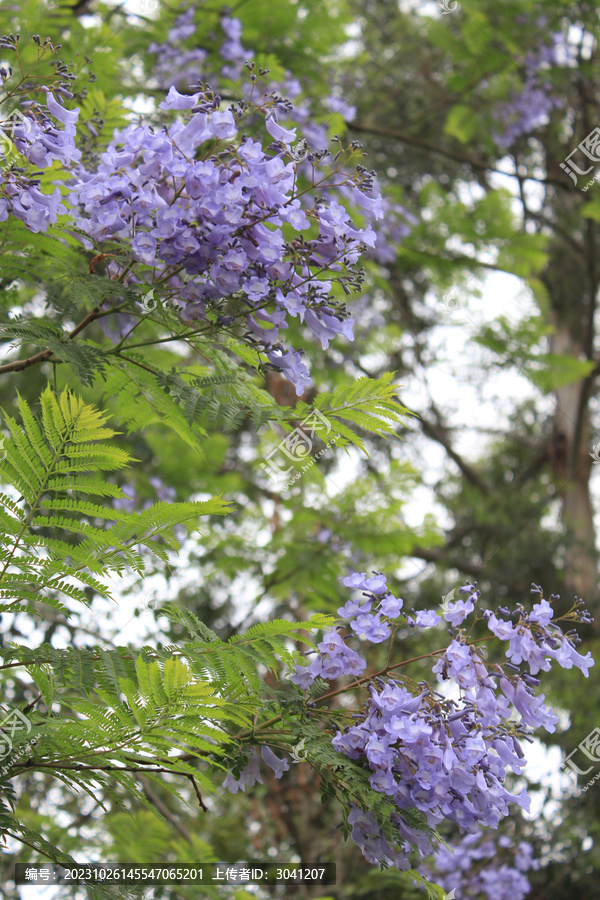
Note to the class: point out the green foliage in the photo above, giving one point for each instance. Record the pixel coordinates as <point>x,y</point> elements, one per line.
<point>519,345</point>
<point>49,460</point>
<point>188,407</point>
<point>462,123</point>
<point>106,112</point>
<point>122,712</point>
<point>368,403</point>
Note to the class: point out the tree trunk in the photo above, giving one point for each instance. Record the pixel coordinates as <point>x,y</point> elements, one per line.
<point>573,464</point>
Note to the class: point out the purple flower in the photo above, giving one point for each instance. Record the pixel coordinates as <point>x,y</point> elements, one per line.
<point>175,100</point>
<point>377,750</point>
<point>67,117</point>
<point>256,288</point>
<point>390,606</point>
<point>426,618</point>
<point>362,624</point>
<point>354,608</point>
<point>280,134</point>
<point>567,657</point>
<point>332,668</point>
<point>332,643</point>
<point>303,677</point>
<point>531,707</point>
<point>394,698</point>
<point>409,730</point>
<point>378,631</point>
<point>371,204</point>
<point>144,248</point>
<point>376,584</point>
<point>249,776</point>
<point>278,765</point>
<point>503,630</point>
<point>542,613</point>
<point>457,612</point>
<point>353,663</point>
<point>292,366</point>
<point>222,125</point>
<point>383,781</point>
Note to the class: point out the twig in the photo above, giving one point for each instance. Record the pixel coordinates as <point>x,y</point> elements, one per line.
<point>451,154</point>
<point>198,794</point>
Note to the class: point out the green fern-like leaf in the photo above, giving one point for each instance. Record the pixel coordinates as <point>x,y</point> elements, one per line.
<point>368,404</point>
<point>53,459</point>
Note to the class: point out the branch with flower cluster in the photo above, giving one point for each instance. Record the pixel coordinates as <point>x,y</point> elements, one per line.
<point>439,753</point>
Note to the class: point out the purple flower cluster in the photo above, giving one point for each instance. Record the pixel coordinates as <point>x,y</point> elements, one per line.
<point>531,106</point>
<point>41,142</point>
<point>242,232</point>
<point>179,65</point>
<point>371,619</point>
<point>335,658</point>
<point>481,868</point>
<point>444,754</point>
<point>367,835</point>
<point>222,220</point>
<point>535,639</point>
<point>214,228</point>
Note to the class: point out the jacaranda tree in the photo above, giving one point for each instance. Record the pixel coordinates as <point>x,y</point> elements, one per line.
<point>186,228</point>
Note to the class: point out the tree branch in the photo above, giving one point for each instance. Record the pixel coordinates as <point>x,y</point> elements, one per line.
<point>436,431</point>
<point>165,811</point>
<point>450,154</point>
<point>438,555</point>
<point>21,364</point>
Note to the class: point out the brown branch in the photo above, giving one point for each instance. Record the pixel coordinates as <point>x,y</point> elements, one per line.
<point>437,432</point>
<point>30,706</point>
<point>21,364</point>
<point>450,154</point>
<point>77,767</point>
<point>165,812</point>
<point>198,794</point>
<point>27,844</point>
<point>438,555</point>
